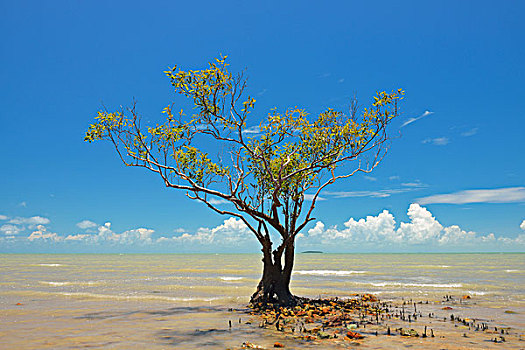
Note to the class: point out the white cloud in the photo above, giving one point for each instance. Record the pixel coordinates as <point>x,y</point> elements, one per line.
<point>411,120</point>
<point>342,80</point>
<point>423,228</point>
<point>262,92</point>
<point>22,204</point>
<point>394,177</point>
<point>350,194</point>
<point>11,229</point>
<point>455,235</point>
<point>370,178</point>
<point>439,141</point>
<point>105,234</point>
<point>79,237</point>
<point>498,195</point>
<point>376,231</point>
<point>520,240</point>
<point>137,235</point>
<point>3,217</point>
<point>85,224</point>
<point>34,220</point>
<point>255,129</point>
<point>373,228</point>
<point>42,234</point>
<point>19,224</point>
<point>214,201</point>
<point>470,132</point>
<point>413,184</point>
<point>408,187</point>
<point>231,232</point>
<point>310,197</point>
<point>317,230</point>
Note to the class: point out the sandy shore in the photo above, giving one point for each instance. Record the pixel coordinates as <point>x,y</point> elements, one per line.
<point>451,323</point>
<point>455,324</point>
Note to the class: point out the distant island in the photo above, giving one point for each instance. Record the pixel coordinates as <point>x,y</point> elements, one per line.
<point>312,252</point>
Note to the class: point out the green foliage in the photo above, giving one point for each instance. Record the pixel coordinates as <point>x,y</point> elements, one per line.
<point>293,152</point>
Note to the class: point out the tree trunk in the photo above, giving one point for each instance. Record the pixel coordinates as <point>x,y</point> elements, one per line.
<point>274,286</point>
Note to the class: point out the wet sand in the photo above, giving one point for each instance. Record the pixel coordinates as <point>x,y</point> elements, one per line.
<point>37,325</point>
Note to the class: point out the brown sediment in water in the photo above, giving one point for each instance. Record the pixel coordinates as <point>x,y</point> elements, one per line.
<point>183,301</point>
<point>364,321</point>
<point>451,323</point>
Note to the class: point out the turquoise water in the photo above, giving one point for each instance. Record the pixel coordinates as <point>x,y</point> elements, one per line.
<point>121,301</point>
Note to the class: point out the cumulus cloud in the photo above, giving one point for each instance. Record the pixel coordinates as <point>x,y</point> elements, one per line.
<point>79,237</point>
<point>414,119</point>
<point>373,228</point>
<point>17,225</point>
<point>42,234</point>
<point>86,224</point>
<point>137,235</point>
<point>520,240</point>
<point>34,220</point>
<point>106,235</point>
<point>378,231</point>
<point>10,230</point>
<point>423,228</point>
<point>498,195</point>
<point>231,231</point>
<point>455,235</point>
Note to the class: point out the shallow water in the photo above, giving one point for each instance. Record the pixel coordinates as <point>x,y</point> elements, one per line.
<point>183,301</point>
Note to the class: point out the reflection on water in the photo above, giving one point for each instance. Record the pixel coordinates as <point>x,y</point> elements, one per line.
<point>57,301</point>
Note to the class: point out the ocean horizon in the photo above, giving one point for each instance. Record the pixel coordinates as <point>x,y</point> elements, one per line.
<point>252,253</point>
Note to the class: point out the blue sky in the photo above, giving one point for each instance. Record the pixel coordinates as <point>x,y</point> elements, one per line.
<point>453,180</point>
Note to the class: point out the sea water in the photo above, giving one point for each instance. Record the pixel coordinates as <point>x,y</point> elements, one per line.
<point>187,300</point>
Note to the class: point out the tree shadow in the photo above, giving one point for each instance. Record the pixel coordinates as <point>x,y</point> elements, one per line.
<point>202,338</point>
<point>196,338</point>
<point>103,315</point>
